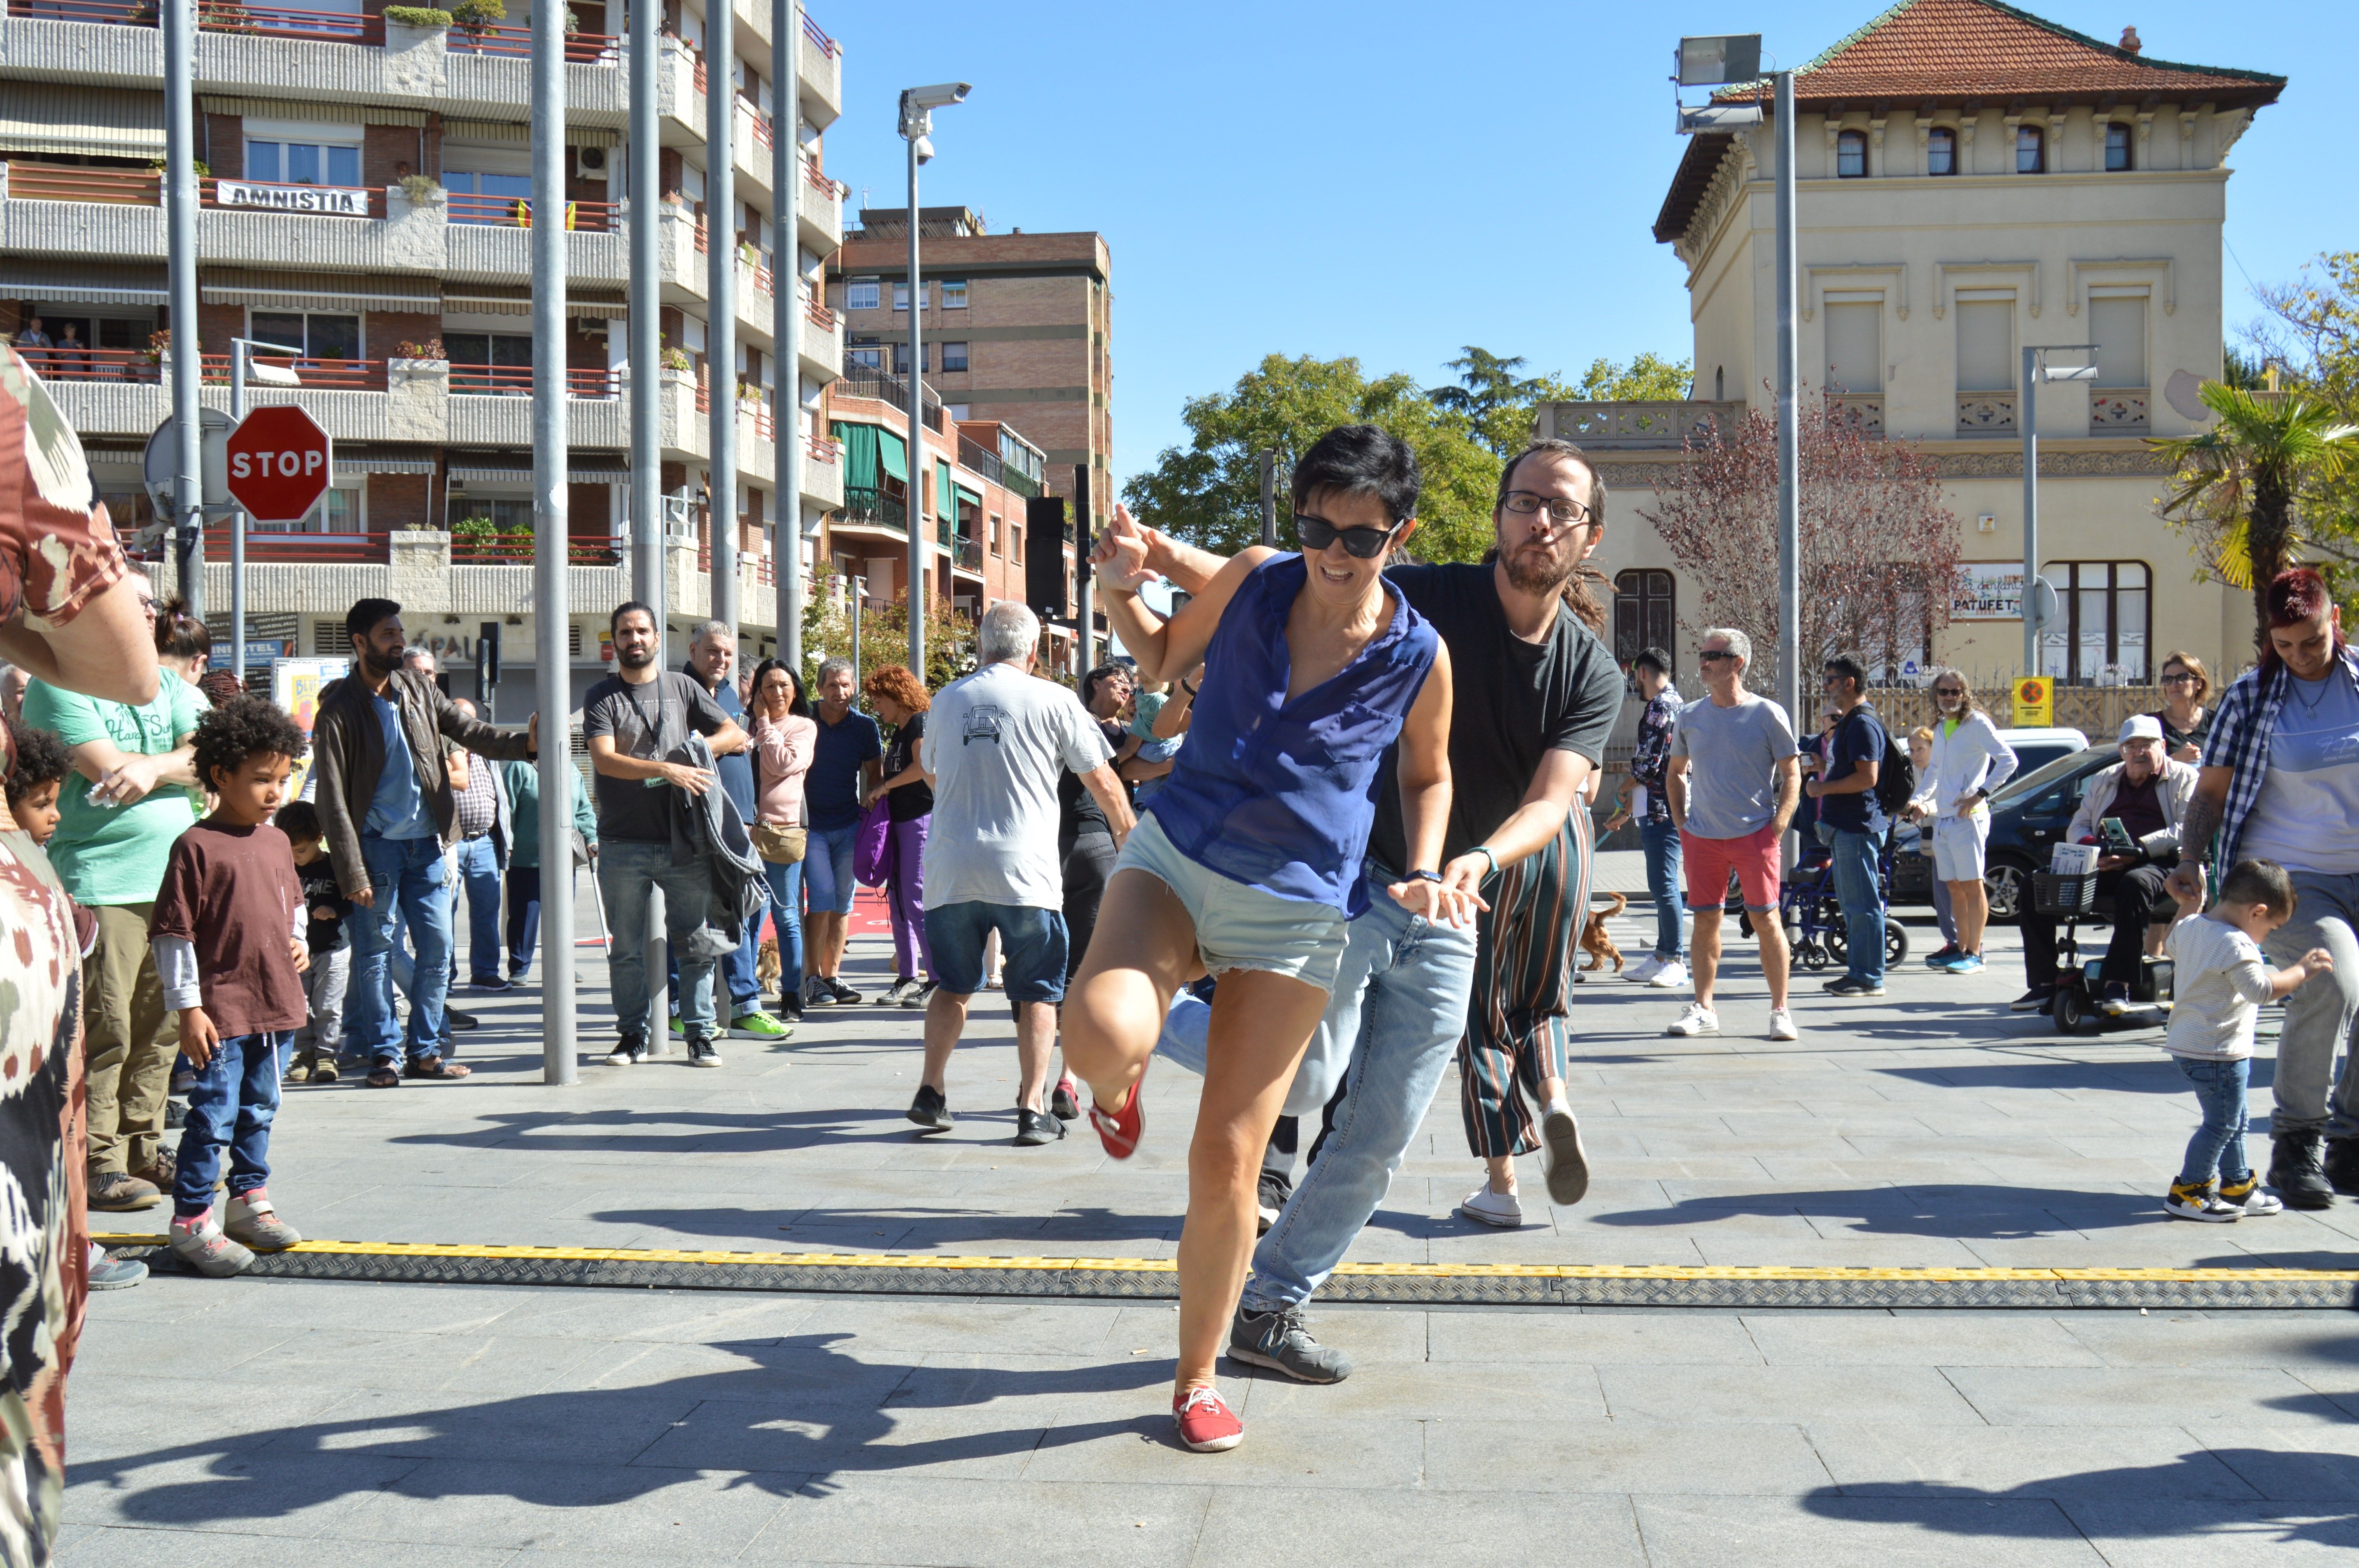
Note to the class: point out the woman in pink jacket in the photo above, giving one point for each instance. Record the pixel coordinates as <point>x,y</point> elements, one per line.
<point>784,734</point>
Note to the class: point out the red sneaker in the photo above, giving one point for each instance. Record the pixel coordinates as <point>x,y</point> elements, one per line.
<point>1120,1130</point>
<point>1206,1424</point>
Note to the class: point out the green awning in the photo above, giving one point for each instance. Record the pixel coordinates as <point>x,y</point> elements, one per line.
<point>894,453</point>
<point>966,495</point>
<point>859,443</point>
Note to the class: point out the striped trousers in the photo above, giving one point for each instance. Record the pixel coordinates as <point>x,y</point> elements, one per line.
<point>1523,981</point>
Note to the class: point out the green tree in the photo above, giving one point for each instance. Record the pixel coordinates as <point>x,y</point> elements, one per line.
<point>883,632</point>
<point>1497,401</point>
<point>1647,378</point>
<point>2312,343</point>
<point>2237,488</point>
<point>1209,490</point>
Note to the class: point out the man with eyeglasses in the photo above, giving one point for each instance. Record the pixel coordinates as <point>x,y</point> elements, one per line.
<point>1535,695</point>
<point>1734,780</point>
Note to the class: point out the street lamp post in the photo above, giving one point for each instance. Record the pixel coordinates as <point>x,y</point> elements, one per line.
<point>2036,595</point>
<point>276,376</point>
<point>917,106</point>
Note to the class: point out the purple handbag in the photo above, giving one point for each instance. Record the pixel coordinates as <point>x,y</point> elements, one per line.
<point>872,852</point>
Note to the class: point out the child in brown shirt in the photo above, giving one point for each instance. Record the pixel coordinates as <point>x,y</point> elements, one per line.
<point>228,935</point>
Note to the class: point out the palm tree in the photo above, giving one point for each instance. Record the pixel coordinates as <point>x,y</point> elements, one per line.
<point>2238,484</point>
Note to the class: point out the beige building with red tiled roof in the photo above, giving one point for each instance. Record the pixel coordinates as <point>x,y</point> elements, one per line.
<point>1970,181</point>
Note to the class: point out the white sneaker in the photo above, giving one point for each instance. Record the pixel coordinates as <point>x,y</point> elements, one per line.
<point>1781,1025</point>
<point>1697,1019</point>
<point>1671,976</point>
<point>1644,969</point>
<point>1500,1211</point>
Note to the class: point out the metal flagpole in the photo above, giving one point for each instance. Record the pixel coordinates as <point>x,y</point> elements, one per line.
<point>643,170</point>
<point>786,308</point>
<point>551,614</point>
<point>1790,435</point>
<point>720,288</point>
<point>2028,417</point>
<point>920,469</point>
<point>180,19</point>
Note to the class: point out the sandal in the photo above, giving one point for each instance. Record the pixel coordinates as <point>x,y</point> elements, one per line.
<point>436,1068</point>
<point>323,1071</point>
<point>382,1079</point>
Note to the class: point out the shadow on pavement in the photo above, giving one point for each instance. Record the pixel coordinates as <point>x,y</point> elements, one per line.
<point>925,1228</point>
<point>796,1417</point>
<point>667,1131</point>
<point>2157,1077</point>
<point>1973,1212</point>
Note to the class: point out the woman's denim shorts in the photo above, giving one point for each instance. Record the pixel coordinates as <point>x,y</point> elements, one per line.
<point>1239,926</point>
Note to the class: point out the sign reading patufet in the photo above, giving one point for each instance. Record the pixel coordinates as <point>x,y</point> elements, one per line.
<point>329,200</point>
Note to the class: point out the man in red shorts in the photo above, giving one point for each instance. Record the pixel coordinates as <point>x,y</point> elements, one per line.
<point>1732,781</point>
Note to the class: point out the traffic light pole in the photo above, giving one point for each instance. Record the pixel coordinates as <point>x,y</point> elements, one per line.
<point>552,616</point>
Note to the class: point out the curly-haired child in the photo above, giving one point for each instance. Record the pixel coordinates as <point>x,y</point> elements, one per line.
<point>228,930</point>
<point>37,772</point>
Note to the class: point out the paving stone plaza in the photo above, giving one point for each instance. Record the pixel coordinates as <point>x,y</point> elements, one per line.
<point>274,1421</point>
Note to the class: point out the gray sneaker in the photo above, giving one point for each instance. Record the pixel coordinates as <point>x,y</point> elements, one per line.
<point>1280,1341</point>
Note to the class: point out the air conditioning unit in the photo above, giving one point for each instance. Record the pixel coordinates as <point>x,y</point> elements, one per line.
<point>590,163</point>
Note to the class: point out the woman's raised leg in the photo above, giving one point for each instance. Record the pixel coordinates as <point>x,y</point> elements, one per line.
<point>1143,950</point>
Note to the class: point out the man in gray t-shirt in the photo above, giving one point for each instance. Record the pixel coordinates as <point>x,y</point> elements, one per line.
<point>996,745</point>
<point>1732,781</point>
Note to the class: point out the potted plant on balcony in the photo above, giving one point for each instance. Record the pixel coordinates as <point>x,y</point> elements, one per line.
<point>676,359</point>
<point>429,17</point>
<point>476,17</point>
<point>477,541</point>
<point>224,17</point>
<point>421,190</point>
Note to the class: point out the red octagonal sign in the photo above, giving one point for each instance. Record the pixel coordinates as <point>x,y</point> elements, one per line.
<point>278,464</point>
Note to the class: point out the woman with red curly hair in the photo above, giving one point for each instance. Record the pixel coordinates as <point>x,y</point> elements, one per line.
<point>900,700</point>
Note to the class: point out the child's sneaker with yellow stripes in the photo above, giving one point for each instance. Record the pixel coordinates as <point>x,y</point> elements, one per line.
<point>2251,1197</point>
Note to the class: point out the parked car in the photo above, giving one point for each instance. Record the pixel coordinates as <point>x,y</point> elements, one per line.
<point>1912,871</point>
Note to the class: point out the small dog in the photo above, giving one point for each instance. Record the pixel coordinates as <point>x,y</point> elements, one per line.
<point>767,968</point>
<point>1593,938</point>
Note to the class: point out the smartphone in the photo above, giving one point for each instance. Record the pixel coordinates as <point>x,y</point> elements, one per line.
<point>2116,837</point>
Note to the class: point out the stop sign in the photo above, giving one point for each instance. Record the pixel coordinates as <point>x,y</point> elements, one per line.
<point>278,464</point>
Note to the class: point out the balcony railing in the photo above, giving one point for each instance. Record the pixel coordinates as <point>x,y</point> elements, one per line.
<point>761,129</point>
<point>1862,411</point>
<point>868,507</point>
<point>216,17</point>
<point>820,182</point>
<point>827,46</point>
<point>867,380</point>
<point>765,427</point>
<point>966,555</point>
<point>334,375</point>
<point>95,364</point>
<point>1605,426</point>
<point>818,315</point>
<point>516,381</point>
<point>1986,413</point>
<point>291,548</point>
<point>824,449</point>
<point>2117,411</point>
<point>30,181</point>
<point>515,212</point>
<point>470,548</point>
<point>581,48</point>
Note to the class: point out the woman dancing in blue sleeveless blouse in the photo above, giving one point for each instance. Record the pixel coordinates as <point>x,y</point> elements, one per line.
<point>1247,861</point>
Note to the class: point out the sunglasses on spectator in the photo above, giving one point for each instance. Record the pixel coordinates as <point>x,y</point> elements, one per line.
<point>2182,678</point>
<point>1363,544</point>
<point>1713,656</point>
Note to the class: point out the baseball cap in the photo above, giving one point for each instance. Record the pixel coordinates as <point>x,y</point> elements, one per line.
<point>2141,727</point>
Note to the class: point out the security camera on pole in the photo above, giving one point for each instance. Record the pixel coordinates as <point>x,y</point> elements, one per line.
<point>918,104</point>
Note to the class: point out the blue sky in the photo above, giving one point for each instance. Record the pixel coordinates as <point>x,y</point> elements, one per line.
<point>1391,180</point>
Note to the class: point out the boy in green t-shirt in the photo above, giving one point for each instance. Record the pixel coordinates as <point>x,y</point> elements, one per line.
<point>123,806</point>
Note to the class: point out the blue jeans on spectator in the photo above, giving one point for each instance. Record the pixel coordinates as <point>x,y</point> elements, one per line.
<point>735,971</point>
<point>787,914</point>
<point>406,875</point>
<point>628,872</point>
<point>2218,1146</point>
<point>231,1107</point>
<point>479,873</point>
<point>1860,894</point>
<point>1660,840</point>
<point>1392,1025</point>
<point>524,916</point>
<point>827,868</point>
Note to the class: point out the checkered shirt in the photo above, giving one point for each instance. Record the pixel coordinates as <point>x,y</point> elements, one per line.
<point>2241,728</point>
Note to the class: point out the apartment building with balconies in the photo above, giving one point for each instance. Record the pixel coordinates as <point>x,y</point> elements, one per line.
<point>1970,181</point>
<point>367,203</point>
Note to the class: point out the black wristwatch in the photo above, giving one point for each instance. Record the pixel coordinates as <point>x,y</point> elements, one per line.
<point>1423,877</point>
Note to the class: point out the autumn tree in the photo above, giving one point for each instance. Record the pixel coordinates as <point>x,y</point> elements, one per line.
<point>884,631</point>
<point>1879,546</point>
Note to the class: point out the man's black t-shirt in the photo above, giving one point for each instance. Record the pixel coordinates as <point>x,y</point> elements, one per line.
<point>907,802</point>
<point>1078,810</point>
<point>645,721</point>
<point>1512,702</point>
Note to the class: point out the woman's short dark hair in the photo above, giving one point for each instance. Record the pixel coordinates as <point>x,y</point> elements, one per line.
<point>1090,681</point>
<point>1360,460</point>
<point>220,687</point>
<point>1654,659</point>
<point>37,757</point>
<point>243,727</point>
<point>179,635</point>
<point>798,701</point>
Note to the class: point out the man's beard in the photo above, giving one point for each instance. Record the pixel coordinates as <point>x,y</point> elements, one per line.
<point>375,665</point>
<point>638,660</point>
<point>1531,578</point>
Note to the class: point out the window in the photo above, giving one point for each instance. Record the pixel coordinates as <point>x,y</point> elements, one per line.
<point>1645,613</point>
<point>1720,383</point>
<point>339,512</point>
<point>1854,349</point>
<point>862,293</point>
<point>2102,640</point>
<point>1942,151</point>
<point>1851,156</point>
<point>477,197</point>
<point>867,352</point>
<point>956,411</point>
<point>302,163</point>
<point>901,358</point>
<point>1016,545</point>
<point>2117,147</point>
<point>1985,345</point>
<point>953,294</point>
<point>487,361</point>
<point>901,297</point>
<point>2030,150</point>
<point>509,513</point>
<point>995,534</point>
<point>320,337</point>
<point>2118,327</point>
<point>953,356</point>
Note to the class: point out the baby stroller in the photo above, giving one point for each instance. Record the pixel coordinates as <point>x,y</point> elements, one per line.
<point>1813,917</point>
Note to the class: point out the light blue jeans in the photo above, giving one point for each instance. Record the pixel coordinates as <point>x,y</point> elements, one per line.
<point>627,872</point>
<point>479,873</point>
<point>406,878</point>
<point>1860,894</point>
<point>787,914</point>
<point>1660,840</point>
<point>1393,1021</point>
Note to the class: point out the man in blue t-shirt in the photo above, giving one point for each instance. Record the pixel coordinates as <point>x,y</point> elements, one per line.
<point>844,759</point>
<point>1851,823</point>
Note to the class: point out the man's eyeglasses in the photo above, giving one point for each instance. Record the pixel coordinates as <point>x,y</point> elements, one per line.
<point>1713,656</point>
<point>1524,502</point>
<point>1363,544</point>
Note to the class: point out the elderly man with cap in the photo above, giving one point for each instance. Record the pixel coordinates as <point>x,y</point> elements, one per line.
<point>2147,793</point>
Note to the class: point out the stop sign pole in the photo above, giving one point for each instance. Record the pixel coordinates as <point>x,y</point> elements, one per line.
<point>280,461</point>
